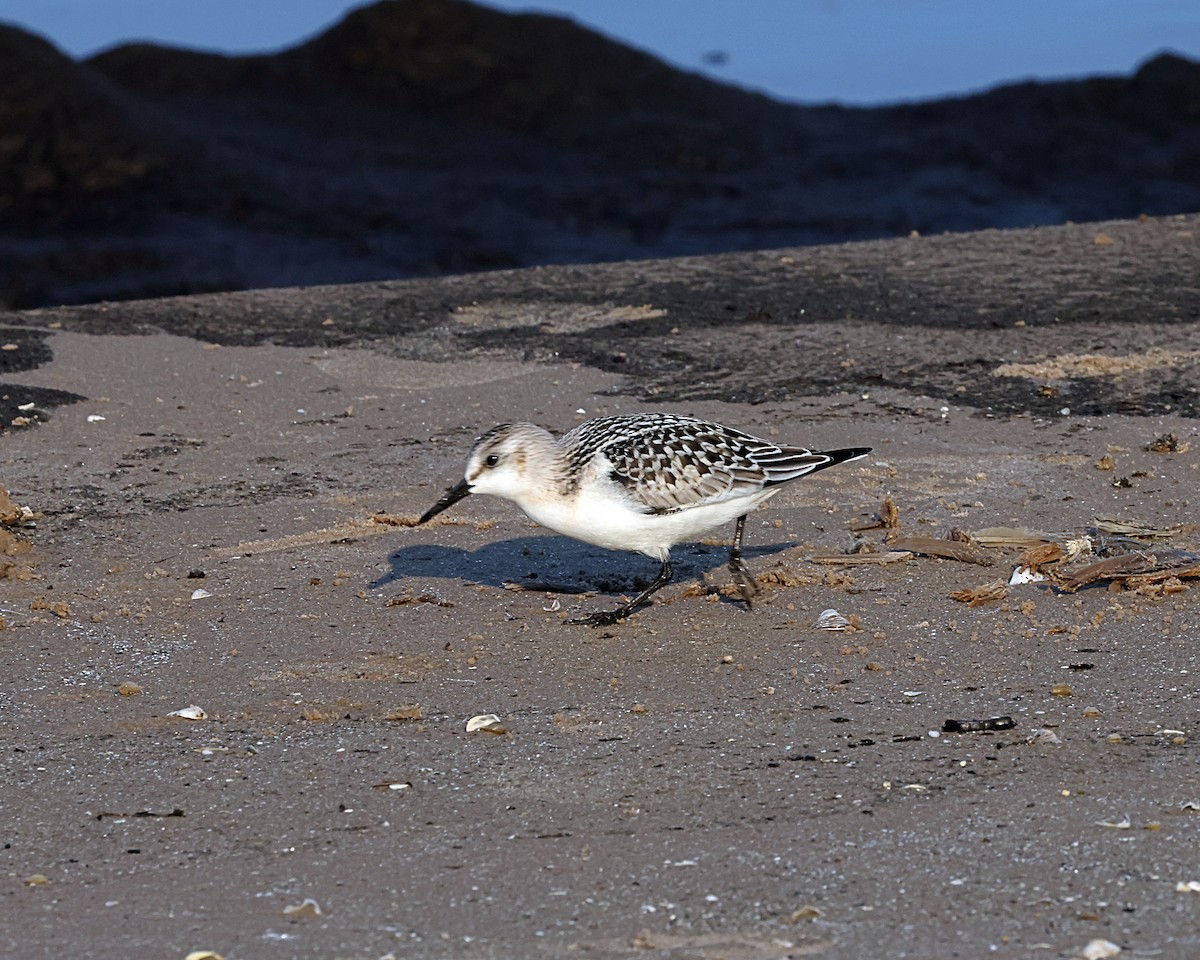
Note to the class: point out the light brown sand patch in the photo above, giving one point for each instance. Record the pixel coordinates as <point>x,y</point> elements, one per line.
<point>1068,365</point>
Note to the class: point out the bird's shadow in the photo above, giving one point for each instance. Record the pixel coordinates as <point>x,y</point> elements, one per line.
<point>555,563</point>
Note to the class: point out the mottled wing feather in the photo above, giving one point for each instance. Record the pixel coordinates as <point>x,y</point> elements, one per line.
<point>669,463</point>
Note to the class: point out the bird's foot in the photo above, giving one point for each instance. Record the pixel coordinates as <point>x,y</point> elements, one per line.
<point>747,586</point>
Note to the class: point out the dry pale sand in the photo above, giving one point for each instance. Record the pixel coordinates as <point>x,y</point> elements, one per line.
<point>224,526</point>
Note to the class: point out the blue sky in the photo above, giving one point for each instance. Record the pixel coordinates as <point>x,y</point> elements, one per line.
<point>853,51</point>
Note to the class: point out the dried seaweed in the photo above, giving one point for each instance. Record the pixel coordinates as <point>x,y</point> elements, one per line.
<point>1131,569</point>
<point>1128,528</point>
<point>985,593</point>
<point>859,559</point>
<point>1010,537</point>
<point>948,549</point>
<point>888,518</point>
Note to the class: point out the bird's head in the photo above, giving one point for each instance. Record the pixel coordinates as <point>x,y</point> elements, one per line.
<point>499,464</point>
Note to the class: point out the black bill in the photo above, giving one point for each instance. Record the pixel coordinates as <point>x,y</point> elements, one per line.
<point>453,495</point>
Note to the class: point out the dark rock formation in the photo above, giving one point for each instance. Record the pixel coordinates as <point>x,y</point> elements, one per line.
<point>422,137</point>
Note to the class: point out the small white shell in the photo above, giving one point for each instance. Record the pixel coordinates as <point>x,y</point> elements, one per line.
<point>1042,735</point>
<point>200,594</point>
<point>192,712</point>
<point>1100,950</point>
<point>486,723</point>
<point>1022,575</point>
<point>831,620</point>
<point>1188,886</point>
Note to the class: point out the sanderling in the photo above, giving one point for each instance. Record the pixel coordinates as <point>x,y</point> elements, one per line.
<point>644,482</point>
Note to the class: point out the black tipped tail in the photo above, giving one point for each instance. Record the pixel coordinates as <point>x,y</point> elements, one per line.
<point>791,463</point>
<point>842,456</point>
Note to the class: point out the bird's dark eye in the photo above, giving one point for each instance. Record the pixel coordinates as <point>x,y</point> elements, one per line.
<point>492,460</point>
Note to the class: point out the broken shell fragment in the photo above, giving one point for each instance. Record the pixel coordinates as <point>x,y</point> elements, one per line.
<point>192,712</point>
<point>204,955</point>
<point>305,910</point>
<point>831,620</point>
<point>486,723</point>
<point>200,594</point>
<point>1042,735</point>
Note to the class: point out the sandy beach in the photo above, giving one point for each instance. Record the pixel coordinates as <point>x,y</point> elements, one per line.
<point>224,521</point>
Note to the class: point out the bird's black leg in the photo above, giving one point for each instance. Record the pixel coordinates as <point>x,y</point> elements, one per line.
<point>606,618</point>
<point>746,584</point>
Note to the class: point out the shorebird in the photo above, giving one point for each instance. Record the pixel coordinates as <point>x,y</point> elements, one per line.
<point>643,482</point>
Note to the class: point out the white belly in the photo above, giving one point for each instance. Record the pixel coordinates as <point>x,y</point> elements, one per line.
<point>610,523</point>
